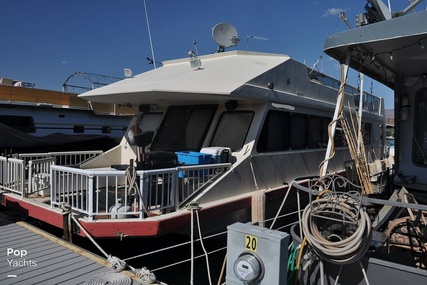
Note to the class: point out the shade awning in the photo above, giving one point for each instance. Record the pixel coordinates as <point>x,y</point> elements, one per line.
<point>386,48</point>
<point>220,74</point>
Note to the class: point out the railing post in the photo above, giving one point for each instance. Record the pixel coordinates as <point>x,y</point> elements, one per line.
<point>52,187</point>
<point>141,202</point>
<point>4,171</point>
<point>30,176</point>
<point>90,197</point>
<point>175,189</point>
<point>145,187</point>
<point>22,178</point>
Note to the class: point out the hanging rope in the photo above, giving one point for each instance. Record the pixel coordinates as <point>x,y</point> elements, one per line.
<point>194,208</point>
<point>358,153</point>
<point>133,186</point>
<point>118,265</point>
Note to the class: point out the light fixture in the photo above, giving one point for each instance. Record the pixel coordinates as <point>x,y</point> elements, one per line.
<point>373,57</point>
<point>127,72</point>
<point>421,45</point>
<point>391,56</point>
<point>231,105</point>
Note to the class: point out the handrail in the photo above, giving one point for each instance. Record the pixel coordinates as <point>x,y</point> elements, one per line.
<point>111,193</point>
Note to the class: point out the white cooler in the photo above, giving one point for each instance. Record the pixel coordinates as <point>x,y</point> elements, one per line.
<point>219,154</point>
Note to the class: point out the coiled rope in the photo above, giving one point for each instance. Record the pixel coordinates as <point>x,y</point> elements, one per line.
<point>335,248</point>
<point>112,278</point>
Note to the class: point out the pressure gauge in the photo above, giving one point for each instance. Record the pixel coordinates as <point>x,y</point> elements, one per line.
<point>248,268</point>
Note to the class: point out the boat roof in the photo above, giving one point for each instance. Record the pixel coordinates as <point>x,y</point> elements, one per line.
<point>385,48</point>
<point>219,75</point>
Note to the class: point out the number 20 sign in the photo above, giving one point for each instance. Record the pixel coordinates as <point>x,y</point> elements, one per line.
<point>251,243</point>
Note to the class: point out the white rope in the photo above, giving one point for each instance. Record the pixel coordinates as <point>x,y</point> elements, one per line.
<point>89,237</point>
<point>133,186</point>
<point>281,206</point>
<point>204,249</point>
<point>188,259</point>
<point>192,248</point>
<point>117,265</point>
<point>172,246</point>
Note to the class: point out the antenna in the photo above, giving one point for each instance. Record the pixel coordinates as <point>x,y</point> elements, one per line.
<point>149,35</point>
<point>319,60</point>
<point>225,35</point>
<point>252,37</point>
<point>195,62</point>
<point>343,18</point>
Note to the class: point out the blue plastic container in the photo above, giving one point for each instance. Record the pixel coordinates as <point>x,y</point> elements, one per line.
<point>193,158</point>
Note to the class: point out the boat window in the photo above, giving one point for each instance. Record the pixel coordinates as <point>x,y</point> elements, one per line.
<point>149,121</point>
<point>21,123</point>
<point>291,131</point>
<point>315,132</point>
<point>366,132</point>
<point>419,149</point>
<point>184,128</point>
<point>299,131</point>
<point>79,129</point>
<point>232,129</point>
<point>106,130</point>
<point>288,131</point>
<point>275,132</point>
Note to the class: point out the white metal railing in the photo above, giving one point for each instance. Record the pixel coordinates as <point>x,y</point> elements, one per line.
<point>3,171</point>
<point>29,173</point>
<point>13,175</point>
<point>39,176</point>
<point>110,193</point>
<point>70,158</point>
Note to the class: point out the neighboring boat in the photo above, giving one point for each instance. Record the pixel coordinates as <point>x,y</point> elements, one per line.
<point>213,134</point>
<point>40,113</point>
<point>348,237</point>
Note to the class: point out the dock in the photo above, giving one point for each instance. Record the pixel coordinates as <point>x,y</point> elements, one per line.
<point>30,256</point>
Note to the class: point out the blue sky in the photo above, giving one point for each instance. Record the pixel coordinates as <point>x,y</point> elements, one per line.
<point>46,41</point>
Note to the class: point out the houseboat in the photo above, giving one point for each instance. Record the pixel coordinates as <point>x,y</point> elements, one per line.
<point>220,135</point>
<point>30,114</point>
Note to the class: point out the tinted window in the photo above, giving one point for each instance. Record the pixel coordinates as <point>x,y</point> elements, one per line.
<point>232,129</point>
<point>22,123</point>
<point>183,128</point>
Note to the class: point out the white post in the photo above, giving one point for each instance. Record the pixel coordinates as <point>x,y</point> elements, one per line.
<point>338,109</point>
<point>360,140</point>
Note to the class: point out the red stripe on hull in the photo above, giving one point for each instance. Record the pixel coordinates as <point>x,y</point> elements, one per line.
<point>219,215</point>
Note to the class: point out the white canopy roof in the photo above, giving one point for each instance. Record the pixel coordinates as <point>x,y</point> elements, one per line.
<point>220,74</point>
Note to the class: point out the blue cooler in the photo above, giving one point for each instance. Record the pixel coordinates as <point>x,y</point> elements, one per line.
<point>192,158</point>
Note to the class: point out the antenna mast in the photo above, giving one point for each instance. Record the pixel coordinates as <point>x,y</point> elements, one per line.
<point>149,35</point>
<point>252,37</point>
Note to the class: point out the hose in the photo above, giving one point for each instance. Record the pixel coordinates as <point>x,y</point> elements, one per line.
<point>347,249</point>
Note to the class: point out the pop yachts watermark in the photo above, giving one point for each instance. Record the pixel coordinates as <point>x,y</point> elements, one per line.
<point>17,258</point>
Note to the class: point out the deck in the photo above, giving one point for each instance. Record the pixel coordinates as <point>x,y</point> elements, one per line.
<point>31,256</point>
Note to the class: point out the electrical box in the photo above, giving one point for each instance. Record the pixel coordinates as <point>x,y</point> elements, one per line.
<point>256,255</point>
